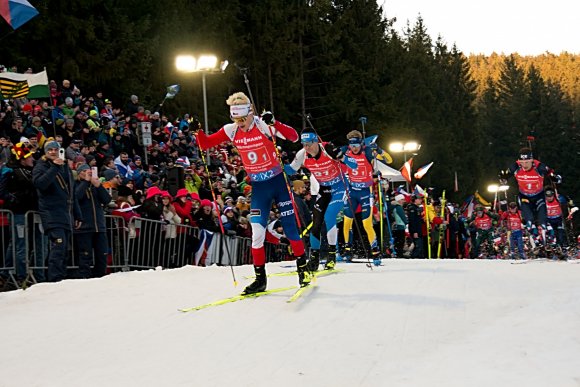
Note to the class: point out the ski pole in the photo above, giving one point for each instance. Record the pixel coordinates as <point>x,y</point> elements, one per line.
<point>428,228</point>
<point>219,217</point>
<point>441,232</point>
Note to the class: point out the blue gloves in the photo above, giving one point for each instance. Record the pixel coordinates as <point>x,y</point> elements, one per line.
<point>289,170</point>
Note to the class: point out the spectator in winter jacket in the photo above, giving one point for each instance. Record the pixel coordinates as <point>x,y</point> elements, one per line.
<point>399,223</point>
<point>19,196</point>
<point>58,207</point>
<point>183,206</point>
<point>415,222</point>
<point>91,238</point>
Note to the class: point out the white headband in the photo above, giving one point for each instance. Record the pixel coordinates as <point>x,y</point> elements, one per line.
<point>240,110</point>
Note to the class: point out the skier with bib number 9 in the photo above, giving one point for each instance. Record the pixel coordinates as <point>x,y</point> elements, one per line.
<point>252,136</point>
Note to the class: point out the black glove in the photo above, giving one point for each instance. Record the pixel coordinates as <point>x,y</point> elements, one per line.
<point>556,178</point>
<point>284,240</point>
<point>333,151</point>
<point>268,118</point>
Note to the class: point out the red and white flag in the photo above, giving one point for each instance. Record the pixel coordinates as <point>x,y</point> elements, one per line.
<point>423,170</point>
<point>406,169</point>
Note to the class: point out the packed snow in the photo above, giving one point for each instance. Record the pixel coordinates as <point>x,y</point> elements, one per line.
<point>407,323</point>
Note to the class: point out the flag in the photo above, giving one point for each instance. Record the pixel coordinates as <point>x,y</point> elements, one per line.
<point>172,91</point>
<point>418,190</point>
<point>406,169</point>
<point>17,12</point>
<point>467,207</point>
<point>205,238</point>
<point>16,85</point>
<point>423,170</point>
<point>481,199</point>
<point>456,186</point>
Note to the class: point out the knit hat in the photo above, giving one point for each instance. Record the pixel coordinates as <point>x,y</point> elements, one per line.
<point>51,145</point>
<point>228,209</point>
<point>124,191</point>
<point>83,167</point>
<point>206,202</point>
<point>109,174</point>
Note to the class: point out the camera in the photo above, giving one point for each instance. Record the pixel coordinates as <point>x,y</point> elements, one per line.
<point>61,154</point>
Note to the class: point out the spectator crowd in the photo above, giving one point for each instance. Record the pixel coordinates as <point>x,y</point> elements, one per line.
<point>75,157</point>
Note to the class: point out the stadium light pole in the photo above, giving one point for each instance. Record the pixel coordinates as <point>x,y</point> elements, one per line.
<point>204,64</point>
<point>408,147</point>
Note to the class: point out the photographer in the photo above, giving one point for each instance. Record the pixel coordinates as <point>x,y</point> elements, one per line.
<point>57,204</point>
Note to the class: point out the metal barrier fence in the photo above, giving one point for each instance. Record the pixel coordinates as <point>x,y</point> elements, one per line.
<point>137,244</point>
<point>152,243</point>
<point>7,237</point>
<point>240,250</point>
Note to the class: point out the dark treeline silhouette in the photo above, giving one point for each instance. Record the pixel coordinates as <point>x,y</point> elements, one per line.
<point>336,60</point>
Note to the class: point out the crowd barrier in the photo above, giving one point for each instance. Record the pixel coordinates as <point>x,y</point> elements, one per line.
<point>139,244</point>
<point>7,234</point>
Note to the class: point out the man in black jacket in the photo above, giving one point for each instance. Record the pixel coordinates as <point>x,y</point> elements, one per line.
<point>91,236</point>
<point>416,225</point>
<point>58,207</point>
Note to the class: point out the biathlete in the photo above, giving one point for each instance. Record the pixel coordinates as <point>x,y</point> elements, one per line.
<point>530,174</point>
<point>252,136</point>
<point>512,218</point>
<point>322,160</point>
<point>360,192</point>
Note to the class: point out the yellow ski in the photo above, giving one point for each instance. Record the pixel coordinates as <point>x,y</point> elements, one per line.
<point>236,298</point>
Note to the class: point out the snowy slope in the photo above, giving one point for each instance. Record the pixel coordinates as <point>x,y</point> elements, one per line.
<point>408,323</point>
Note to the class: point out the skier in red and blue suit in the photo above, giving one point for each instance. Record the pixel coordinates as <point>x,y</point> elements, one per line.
<point>555,217</point>
<point>360,190</point>
<point>530,174</point>
<point>322,159</point>
<point>513,220</point>
<point>252,136</point>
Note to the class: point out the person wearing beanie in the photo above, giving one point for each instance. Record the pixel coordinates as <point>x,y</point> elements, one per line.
<point>399,224</point>
<point>416,223</point>
<point>58,207</point>
<point>324,162</point>
<point>254,140</point>
<point>206,218</point>
<point>298,190</point>
<point>20,196</point>
<point>91,238</point>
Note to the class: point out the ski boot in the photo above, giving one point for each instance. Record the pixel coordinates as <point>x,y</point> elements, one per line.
<point>331,260</point>
<point>347,254</point>
<point>304,275</point>
<point>314,261</point>
<point>376,253</point>
<point>260,283</point>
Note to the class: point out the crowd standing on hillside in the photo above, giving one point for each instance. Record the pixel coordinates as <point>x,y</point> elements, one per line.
<point>74,158</point>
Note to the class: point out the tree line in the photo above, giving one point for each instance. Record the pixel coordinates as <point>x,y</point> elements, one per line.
<point>337,60</point>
